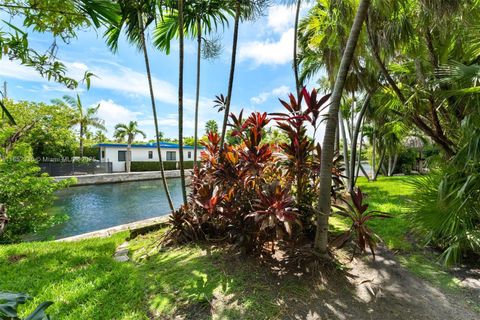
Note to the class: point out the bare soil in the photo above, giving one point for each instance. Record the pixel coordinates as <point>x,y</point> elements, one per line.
<point>367,289</point>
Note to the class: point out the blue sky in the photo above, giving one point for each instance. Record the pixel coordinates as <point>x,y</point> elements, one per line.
<point>263,73</point>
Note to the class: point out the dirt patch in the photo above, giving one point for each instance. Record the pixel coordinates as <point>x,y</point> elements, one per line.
<point>367,289</point>
<point>14,258</point>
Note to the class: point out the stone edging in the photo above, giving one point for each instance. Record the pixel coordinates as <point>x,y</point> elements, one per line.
<point>109,231</point>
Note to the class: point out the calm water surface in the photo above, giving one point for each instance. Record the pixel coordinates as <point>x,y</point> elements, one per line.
<point>97,207</point>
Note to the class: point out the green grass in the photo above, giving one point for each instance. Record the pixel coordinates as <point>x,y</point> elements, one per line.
<point>391,195</point>
<point>84,281</point>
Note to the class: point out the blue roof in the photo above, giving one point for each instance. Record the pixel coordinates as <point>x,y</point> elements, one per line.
<point>166,145</point>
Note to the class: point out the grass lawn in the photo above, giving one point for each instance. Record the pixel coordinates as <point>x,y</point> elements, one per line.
<point>85,282</point>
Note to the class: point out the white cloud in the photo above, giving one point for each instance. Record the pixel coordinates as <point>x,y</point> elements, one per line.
<point>264,96</point>
<point>280,17</point>
<point>269,52</point>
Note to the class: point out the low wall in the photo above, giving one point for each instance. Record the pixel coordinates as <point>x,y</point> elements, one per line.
<point>124,227</point>
<point>122,177</point>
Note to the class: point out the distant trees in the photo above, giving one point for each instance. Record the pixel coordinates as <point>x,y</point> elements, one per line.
<point>211,126</point>
<point>83,117</point>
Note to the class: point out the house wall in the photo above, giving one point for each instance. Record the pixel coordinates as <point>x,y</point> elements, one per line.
<point>141,154</point>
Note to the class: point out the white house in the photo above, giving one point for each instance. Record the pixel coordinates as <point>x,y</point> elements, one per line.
<point>116,153</point>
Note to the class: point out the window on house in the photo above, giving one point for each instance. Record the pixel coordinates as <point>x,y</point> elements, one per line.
<point>150,154</point>
<point>171,156</point>
<point>103,154</point>
<point>189,154</point>
<point>122,156</point>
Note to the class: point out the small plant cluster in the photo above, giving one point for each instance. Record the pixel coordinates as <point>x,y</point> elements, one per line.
<point>250,195</point>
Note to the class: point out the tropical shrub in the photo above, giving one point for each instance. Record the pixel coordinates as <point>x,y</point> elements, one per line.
<point>445,205</point>
<point>356,211</point>
<point>26,194</point>
<point>138,166</point>
<point>249,195</point>
<point>9,304</point>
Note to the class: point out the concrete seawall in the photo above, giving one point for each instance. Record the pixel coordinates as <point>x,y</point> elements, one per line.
<point>123,177</point>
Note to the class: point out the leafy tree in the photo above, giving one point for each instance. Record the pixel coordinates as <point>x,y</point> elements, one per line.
<point>83,117</point>
<point>60,18</point>
<point>129,132</point>
<point>50,134</point>
<point>100,137</point>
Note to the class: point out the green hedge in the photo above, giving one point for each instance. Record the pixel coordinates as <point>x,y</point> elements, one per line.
<point>138,166</point>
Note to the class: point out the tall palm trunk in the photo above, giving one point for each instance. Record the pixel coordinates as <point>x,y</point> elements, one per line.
<point>298,86</point>
<point>324,203</point>
<point>197,97</point>
<point>129,156</point>
<point>180,99</point>
<point>232,72</point>
<point>81,140</point>
<point>154,110</point>
<point>356,132</point>
<point>345,149</point>
<point>374,156</point>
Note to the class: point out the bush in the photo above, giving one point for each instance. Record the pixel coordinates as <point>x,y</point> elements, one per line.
<point>26,194</point>
<point>250,196</point>
<point>445,204</point>
<point>140,166</point>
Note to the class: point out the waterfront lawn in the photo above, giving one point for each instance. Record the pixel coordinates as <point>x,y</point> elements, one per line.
<point>85,282</point>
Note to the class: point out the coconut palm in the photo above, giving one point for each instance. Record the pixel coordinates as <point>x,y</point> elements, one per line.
<point>129,132</point>
<point>136,16</point>
<point>200,18</point>
<point>321,236</point>
<point>244,10</point>
<point>83,117</point>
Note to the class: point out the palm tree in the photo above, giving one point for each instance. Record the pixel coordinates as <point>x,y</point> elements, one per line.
<point>128,131</point>
<point>211,126</point>
<point>100,136</point>
<point>244,10</point>
<point>132,19</point>
<point>82,117</point>
<point>180,99</point>
<point>200,18</point>
<point>324,205</point>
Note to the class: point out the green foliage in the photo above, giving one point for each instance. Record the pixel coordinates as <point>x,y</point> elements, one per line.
<point>27,195</point>
<point>138,166</point>
<point>356,212</point>
<point>50,136</point>
<point>211,126</point>
<point>445,204</point>
<point>61,19</point>
<point>9,303</point>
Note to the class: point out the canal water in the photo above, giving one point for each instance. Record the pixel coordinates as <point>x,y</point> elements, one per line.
<point>95,207</point>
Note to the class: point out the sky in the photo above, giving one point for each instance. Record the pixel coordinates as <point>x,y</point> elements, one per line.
<point>263,74</point>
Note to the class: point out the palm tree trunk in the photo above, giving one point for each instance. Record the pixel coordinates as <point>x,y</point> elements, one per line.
<point>298,86</point>
<point>380,165</point>
<point>180,100</point>
<point>154,110</point>
<point>374,155</point>
<point>324,202</point>
<point>129,156</point>
<point>81,140</point>
<point>345,149</point>
<point>356,132</point>
<point>232,72</point>
<point>197,97</point>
